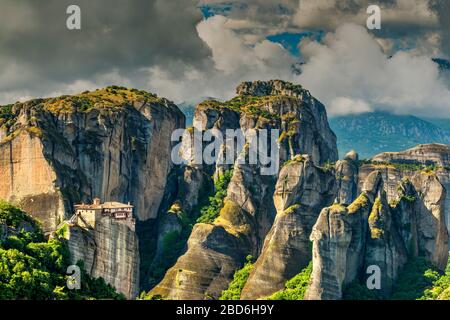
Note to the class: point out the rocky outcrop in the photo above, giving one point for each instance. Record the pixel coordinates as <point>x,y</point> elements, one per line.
<point>422,201</point>
<point>301,119</point>
<point>204,270</point>
<point>217,249</point>
<point>432,158</point>
<point>112,143</point>
<point>327,150</point>
<point>372,232</point>
<point>301,192</point>
<point>338,229</point>
<point>427,154</point>
<point>347,178</point>
<point>109,251</point>
<point>444,177</point>
<point>27,179</point>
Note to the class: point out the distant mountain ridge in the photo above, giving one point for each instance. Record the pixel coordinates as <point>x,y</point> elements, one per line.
<point>373,133</point>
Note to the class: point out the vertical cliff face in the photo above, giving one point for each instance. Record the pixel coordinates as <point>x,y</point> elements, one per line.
<point>117,259</point>
<point>395,166</point>
<point>302,190</point>
<point>27,178</point>
<point>347,178</point>
<point>215,250</point>
<point>112,143</point>
<point>109,251</point>
<point>373,232</point>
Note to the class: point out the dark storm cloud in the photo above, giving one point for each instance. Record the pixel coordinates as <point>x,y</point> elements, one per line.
<point>261,16</point>
<point>406,20</point>
<point>442,9</point>
<point>354,6</point>
<point>399,17</point>
<point>165,47</point>
<point>124,36</point>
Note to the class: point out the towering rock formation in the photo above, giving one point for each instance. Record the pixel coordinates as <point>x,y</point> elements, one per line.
<point>371,232</point>
<point>115,144</point>
<point>27,178</point>
<point>109,251</point>
<point>396,166</point>
<point>215,250</point>
<point>347,178</point>
<point>302,190</point>
<point>111,143</point>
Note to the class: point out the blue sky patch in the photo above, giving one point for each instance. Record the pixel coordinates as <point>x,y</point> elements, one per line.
<point>290,41</point>
<point>209,11</point>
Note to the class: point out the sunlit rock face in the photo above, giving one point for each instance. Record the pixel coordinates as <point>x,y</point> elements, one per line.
<point>302,190</point>
<point>436,156</point>
<point>217,249</point>
<point>347,240</point>
<point>112,143</point>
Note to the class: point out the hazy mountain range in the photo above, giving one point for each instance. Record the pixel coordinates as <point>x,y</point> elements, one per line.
<point>372,133</point>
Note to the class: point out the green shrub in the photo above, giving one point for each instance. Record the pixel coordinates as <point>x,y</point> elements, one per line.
<point>7,117</point>
<point>441,284</point>
<point>296,287</point>
<point>13,216</point>
<point>34,269</point>
<point>239,279</point>
<point>417,276</point>
<point>210,212</point>
<point>358,291</point>
<point>418,280</point>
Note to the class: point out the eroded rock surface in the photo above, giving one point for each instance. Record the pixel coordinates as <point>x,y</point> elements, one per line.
<point>372,232</point>
<point>217,249</point>
<point>110,251</point>
<point>112,143</point>
<point>301,192</point>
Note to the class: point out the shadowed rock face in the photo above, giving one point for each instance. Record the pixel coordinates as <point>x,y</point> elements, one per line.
<point>347,178</point>
<point>437,155</point>
<point>112,143</point>
<point>111,252</point>
<point>27,178</point>
<point>212,256</point>
<point>249,210</point>
<point>347,240</point>
<point>301,192</point>
<point>117,152</point>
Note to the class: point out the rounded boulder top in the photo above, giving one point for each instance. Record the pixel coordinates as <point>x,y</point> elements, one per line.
<point>352,155</point>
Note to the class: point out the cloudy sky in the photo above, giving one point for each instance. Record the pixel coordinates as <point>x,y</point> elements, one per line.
<point>189,49</point>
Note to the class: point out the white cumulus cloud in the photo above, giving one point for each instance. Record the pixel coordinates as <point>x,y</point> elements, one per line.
<point>234,61</point>
<point>349,73</point>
